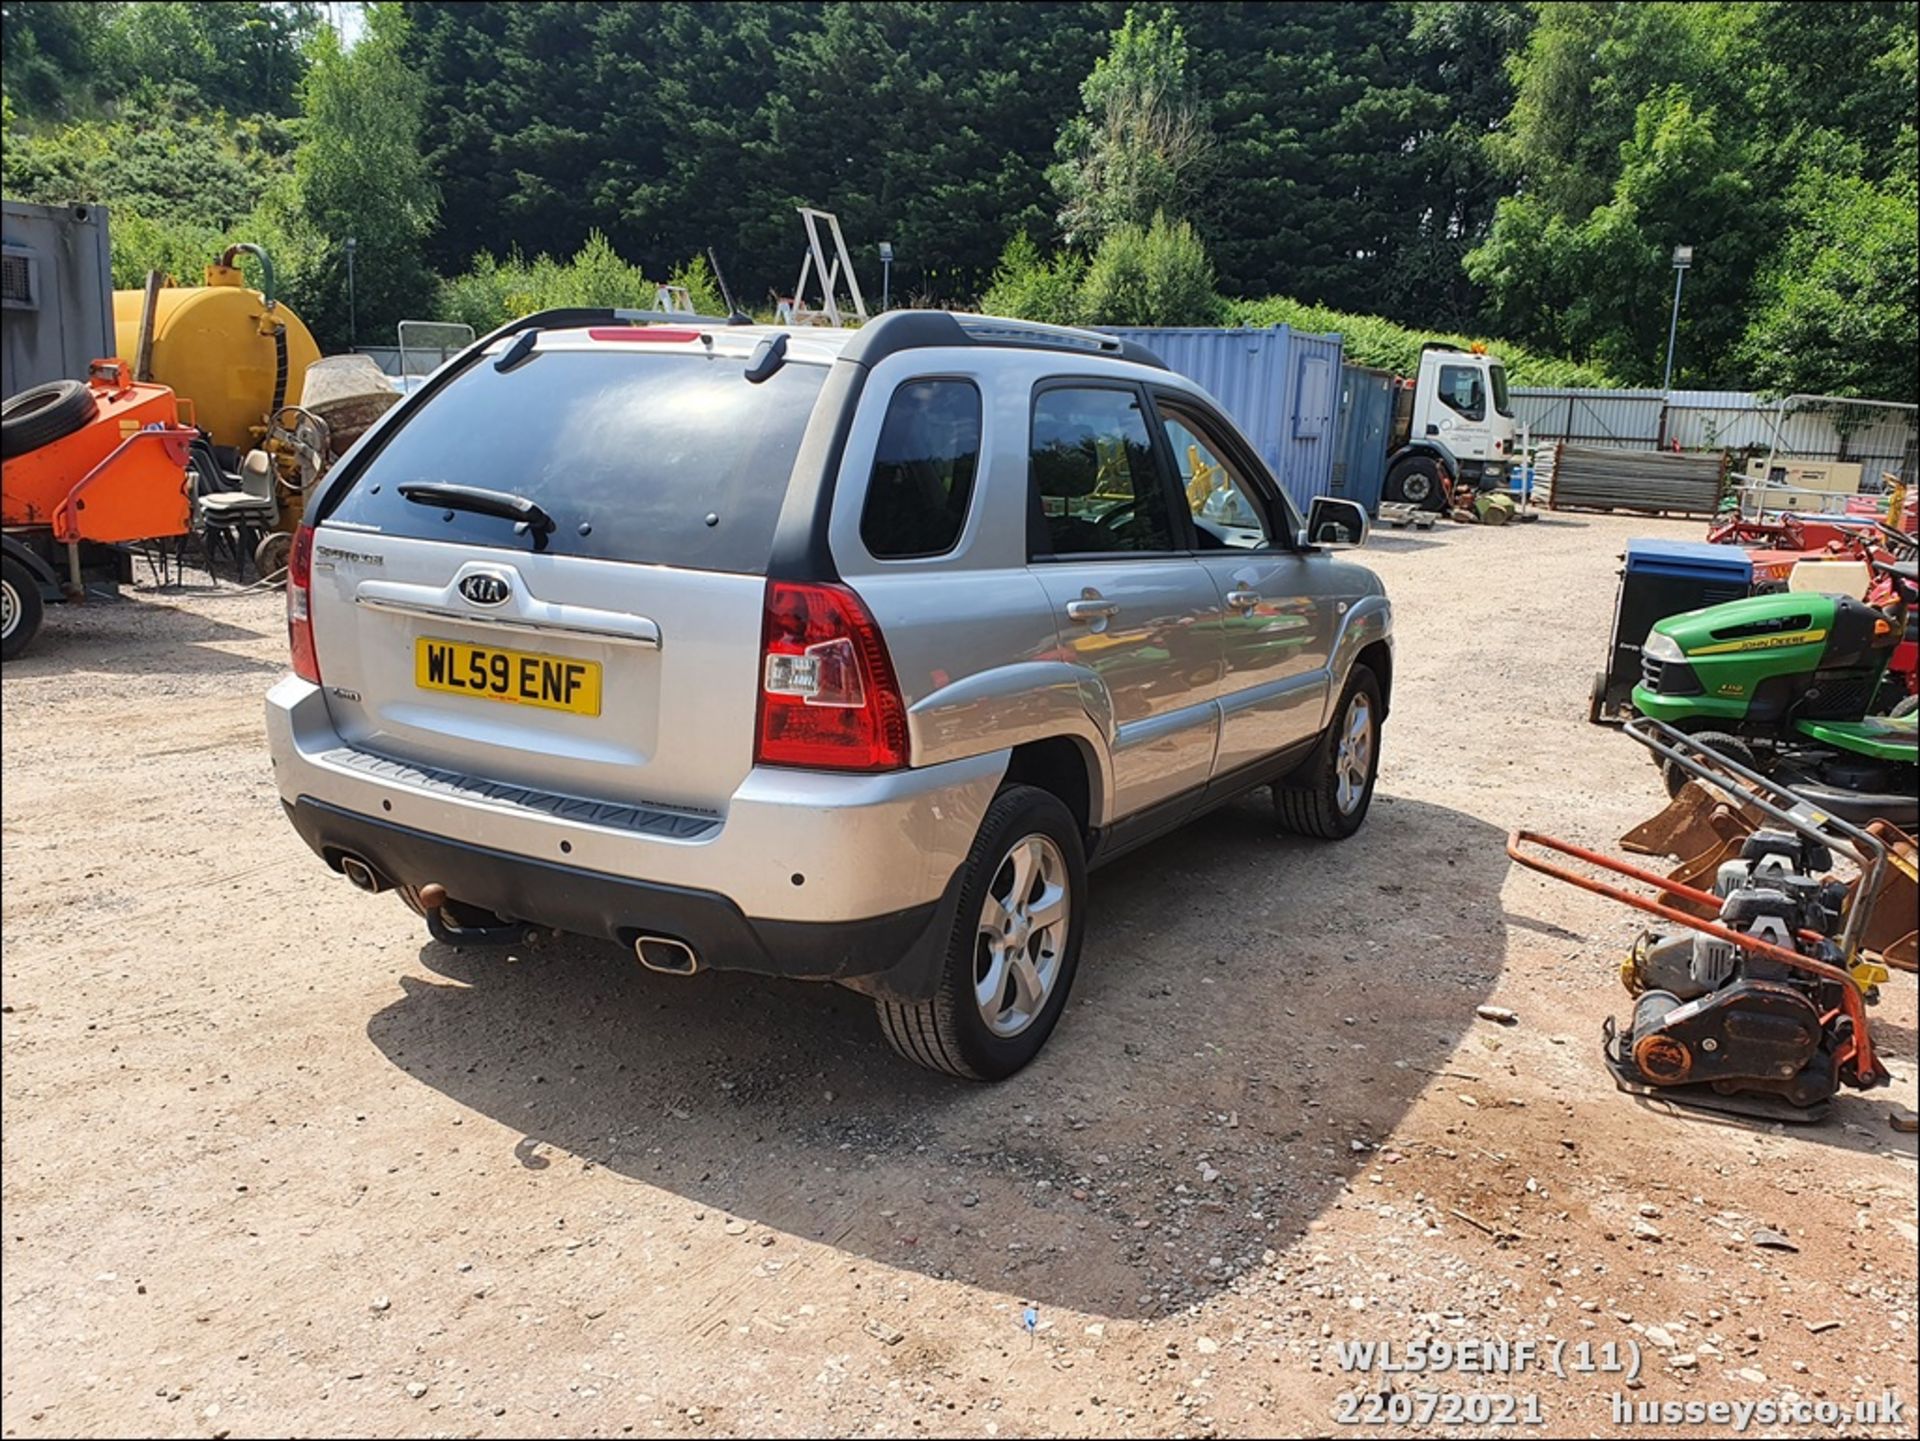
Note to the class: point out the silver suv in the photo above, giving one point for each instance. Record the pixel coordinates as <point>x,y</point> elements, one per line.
<point>838,655</point>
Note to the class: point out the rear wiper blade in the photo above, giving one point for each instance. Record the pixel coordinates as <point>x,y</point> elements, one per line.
<point>504,504</point>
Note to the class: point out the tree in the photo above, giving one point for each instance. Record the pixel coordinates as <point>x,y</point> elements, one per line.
<point>358,174</point>
<point>53,55</point>
<point>1836,306</point>
<point>1138,146</point>
<point>1158,274</point>
<point>1636,127</point>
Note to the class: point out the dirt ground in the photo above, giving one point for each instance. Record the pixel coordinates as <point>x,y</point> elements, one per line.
<point>277,1163</point>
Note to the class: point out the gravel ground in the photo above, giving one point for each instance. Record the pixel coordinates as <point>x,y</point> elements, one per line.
<point>274,1162</point>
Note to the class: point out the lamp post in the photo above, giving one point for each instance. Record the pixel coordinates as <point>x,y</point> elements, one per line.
<point>352,245</point>
<point>886,275</point>
<point>1682,259</point>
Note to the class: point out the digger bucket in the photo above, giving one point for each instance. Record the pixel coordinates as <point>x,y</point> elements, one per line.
<point>1891,932</point>
<point>1696,821</point>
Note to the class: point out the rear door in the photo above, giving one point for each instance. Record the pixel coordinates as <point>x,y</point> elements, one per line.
<point>1276,633</point>
<point>606,648</point>
<point>1129,601</point>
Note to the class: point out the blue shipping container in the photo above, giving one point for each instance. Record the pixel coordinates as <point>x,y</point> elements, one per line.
<point>1279,385</point>
<point>1360,436</point>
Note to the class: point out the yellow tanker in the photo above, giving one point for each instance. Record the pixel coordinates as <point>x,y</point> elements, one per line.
<point>236,353</point>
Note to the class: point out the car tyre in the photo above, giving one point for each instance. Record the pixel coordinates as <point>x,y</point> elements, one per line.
<point>1328,797</point>
<point>1011,955</point>
<point>21,607</point>
<point>43,414</point>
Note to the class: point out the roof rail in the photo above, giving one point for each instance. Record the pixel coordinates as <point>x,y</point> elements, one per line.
<point>899,330</point>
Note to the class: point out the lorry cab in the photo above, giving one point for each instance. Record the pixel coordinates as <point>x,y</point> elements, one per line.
<point>1453,423</point>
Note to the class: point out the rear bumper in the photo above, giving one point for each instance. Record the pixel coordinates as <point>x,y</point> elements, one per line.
<point>896,954</point>
<point>804,873</point>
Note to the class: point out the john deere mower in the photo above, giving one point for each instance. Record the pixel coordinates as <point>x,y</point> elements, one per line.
<point>1790,685</point>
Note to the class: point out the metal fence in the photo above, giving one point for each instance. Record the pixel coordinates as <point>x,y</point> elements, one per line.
<point>1876,437</point>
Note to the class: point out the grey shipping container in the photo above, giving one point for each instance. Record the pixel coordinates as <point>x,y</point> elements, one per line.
<point>1279,385</point>
<point>1360,435</point>
<point>56,293</point>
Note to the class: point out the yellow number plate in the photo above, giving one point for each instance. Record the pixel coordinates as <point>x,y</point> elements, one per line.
<point>521,676</point>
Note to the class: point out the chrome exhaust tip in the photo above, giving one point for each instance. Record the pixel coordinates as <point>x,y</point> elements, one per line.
<point>666,955</point>
<point>362,875</point>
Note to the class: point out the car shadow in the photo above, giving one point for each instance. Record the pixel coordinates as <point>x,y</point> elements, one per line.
<point>1383,537</point>
<point>1240,1037</point>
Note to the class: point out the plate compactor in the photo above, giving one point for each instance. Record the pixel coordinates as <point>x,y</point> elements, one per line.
<point>1753,999</point>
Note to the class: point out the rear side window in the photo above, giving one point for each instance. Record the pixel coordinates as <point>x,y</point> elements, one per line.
<point>923,470</point>
<point>664,459</point>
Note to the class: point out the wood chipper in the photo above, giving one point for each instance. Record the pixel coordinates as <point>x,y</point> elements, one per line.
<point>85,467</point>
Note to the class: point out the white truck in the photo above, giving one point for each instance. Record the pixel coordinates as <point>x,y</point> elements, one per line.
<point>1452,424</point>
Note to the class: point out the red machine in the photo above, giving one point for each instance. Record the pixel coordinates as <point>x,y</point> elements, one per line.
<point>85,468</point>
<point>1776,546</point>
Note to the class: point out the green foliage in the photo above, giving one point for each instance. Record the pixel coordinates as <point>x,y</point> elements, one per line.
<point>495,291</point>
<point>358,174</point>
<point>1159,275</point>
<point>206,168</point>
<point>179,249</point>
<point>1836,306</point>
<point>1370,340</point>
<point>1448,165</point>
<point>77,59</point>
<point>1028,286</point>
<point>703,291</point>
<point>1635,128</point>
<point>1139,145</point>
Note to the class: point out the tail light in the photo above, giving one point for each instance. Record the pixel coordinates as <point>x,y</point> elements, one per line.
<point>306,662</point>
<point>828,697</point>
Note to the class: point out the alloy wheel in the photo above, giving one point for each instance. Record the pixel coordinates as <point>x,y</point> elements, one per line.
<point>1022,936</point>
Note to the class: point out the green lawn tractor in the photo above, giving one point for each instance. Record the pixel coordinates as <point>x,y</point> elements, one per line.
<point>1797,686</point>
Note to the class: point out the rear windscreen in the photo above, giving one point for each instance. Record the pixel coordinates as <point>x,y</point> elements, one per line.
<point>669,459</point>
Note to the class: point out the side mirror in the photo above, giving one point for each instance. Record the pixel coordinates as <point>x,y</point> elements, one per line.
<point>1336,524</point>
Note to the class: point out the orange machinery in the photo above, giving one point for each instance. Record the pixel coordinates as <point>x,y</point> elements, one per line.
<point>123,475</point>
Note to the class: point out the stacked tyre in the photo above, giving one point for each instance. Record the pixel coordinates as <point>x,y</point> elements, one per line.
<point>28,421</point>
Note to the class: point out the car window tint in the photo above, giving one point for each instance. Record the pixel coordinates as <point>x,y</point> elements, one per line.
<point>1226,509</point>
<point>923,470</point>
<point>660,459</point>
<point>1460,387</point>
<point>1093,474</point>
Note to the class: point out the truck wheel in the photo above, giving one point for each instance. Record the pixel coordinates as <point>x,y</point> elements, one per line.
<point>1418,480</point>
<point>43,414</point>
<point>21,608</point>
<point>1014,947</point>
<point>1327,798</point>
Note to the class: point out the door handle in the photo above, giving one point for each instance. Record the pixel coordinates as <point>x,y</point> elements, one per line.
<point>1091,610</point>
<point>1243,599</point>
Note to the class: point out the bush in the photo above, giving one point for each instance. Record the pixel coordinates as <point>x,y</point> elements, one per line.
<point>1028,287</point>
<point>1370,340</point>
<point>702,289</point>
<point>1157,276</point>
<point>493,291</point>
<point>179,249</point>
